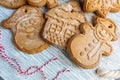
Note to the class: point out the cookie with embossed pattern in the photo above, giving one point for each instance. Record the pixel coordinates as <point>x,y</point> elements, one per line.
<point>62,23</point>
<point>107,22</point>
<point>102,7</point>
<point>86,49</point>
<point>12,3</point>
<point>26,24</point>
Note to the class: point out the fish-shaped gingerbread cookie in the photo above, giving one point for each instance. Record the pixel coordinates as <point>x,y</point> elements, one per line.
<point>12,3</point>
<point>26,24</point>
<point>62,23</point>
<point>102,7</point>
<point>86,49</point>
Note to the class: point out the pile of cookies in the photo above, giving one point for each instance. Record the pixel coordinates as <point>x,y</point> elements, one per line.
<point>64,26</point>
<point>14,4</point>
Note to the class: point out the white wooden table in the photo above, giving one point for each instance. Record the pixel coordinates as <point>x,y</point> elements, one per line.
<point>77,73</point>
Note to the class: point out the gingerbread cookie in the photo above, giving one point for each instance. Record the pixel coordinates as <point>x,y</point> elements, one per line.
<point>86,49</point>
<point>12,3</point>
<point>62,23</point>
<point>26,24</point>
<point>37,3</point>
<point>102,7</point>
<point>108,23</point>
<point>52,3</point>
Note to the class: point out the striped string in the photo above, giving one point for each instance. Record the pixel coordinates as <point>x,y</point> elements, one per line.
<point>31,70</point>
<point>60,73</point>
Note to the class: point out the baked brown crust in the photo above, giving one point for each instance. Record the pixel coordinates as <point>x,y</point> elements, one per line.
<point>26,24</point>
<point>52,3</point>
<point>37,3</point>
<point>102,7</point>
<point>86,49</point>
<point>13,4</point>
<point>62,23</point>
<point>107,22</point>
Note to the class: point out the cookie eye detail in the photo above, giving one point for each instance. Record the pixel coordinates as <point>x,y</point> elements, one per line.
<point>81,53</point>
<point>86,49</point>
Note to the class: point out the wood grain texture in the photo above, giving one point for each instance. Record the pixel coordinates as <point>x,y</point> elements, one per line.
<point>64,62</point>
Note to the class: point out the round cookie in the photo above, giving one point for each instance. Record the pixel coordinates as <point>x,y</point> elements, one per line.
<point>86,49</point>
<point>26,24</point>
<point>37,3</point>
<point>12,3</point>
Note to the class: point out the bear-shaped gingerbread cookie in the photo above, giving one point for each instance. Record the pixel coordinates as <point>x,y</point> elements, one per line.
<point>86,49</point>
<point>26,24</point>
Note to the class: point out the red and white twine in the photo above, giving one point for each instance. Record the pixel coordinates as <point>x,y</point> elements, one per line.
<point>60,73</point>
<point>16,65</point>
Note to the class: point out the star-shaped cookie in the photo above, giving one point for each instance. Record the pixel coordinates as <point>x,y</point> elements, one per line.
<point>102,7</point>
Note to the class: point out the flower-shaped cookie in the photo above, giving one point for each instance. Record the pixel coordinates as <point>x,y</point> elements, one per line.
<point>102,7</point>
